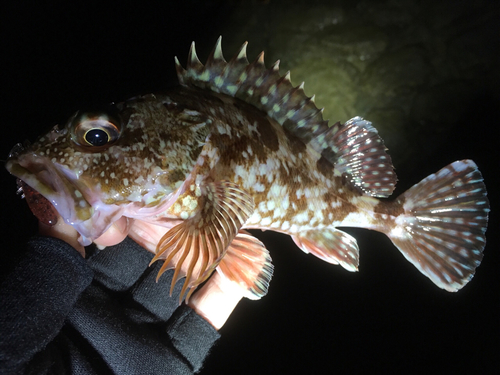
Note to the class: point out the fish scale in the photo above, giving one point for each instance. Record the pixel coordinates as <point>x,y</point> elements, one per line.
<point>237,146</point>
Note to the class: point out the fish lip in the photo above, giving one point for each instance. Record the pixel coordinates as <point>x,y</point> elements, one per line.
<point>59,185</point>
<point>46,178</point>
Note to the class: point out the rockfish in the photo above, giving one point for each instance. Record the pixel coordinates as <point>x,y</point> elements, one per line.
<point>237,146</point>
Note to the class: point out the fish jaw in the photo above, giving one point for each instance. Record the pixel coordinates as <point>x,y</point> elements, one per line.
<point>77,204</point>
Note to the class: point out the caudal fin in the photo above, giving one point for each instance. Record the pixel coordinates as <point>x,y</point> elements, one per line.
<point>442,229</point>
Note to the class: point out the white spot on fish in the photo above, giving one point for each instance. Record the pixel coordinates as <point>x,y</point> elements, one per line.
<point>335,204</point>
<point>265,221</point>
<point>285,203</point>
<point>459,166</point>
<point>270,205</point>
<point>275,224</point>
<point>258,187</point>
<point>255,218</point>
<point>355,218</point>
<point>302,217</point>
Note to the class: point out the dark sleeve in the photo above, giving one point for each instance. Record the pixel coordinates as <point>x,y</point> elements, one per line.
<point>132,323</point>
<point>36,297</point>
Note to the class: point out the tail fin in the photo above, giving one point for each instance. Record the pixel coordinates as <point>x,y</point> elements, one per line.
<point>441,231</point>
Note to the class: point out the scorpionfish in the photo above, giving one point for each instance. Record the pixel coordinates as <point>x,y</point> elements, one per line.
<point>237,146</point>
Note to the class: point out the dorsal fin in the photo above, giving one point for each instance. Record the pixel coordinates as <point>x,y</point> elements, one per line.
<point>274,94</point>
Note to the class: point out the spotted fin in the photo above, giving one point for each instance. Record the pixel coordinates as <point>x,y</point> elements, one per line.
<point>357,150</point>
<point>247,262</point>
<point>354,148</point>
<point>202,240</point>
<point>332,246</point>
<point>442,229</point>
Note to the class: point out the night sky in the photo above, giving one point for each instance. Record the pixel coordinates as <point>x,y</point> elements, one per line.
<point>316,318</point>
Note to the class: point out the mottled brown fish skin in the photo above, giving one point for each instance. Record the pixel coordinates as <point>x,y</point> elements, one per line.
<point>278,170</point>
<point>238,146</point>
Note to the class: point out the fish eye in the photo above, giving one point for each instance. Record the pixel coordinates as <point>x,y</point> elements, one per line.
<point>94,130</point>
<point>96,137</point>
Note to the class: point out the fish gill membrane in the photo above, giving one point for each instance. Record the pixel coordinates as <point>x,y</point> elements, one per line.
<point>438,225</point>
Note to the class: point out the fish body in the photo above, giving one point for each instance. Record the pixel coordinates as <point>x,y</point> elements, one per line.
<point>236,146</point>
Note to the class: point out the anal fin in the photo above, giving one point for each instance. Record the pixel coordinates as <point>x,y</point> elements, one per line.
<point>247,263</point>
<point>332,246</point>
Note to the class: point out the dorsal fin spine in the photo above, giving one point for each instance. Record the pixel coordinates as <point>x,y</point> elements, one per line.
<point>241,56</point>
<point>274,94</point>
<point>193,62</point>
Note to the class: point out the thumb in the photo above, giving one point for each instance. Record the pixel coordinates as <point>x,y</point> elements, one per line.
<point>115,234</point>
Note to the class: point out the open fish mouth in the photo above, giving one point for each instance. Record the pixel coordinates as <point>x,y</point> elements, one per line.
<point>54,183</point>
<point>52,189</point>
<point>43,210</point>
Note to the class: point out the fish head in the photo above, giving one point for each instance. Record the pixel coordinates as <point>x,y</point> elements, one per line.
<point>130,160</point>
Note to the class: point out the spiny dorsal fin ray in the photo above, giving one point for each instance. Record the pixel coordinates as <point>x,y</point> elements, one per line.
<point>274,94</point>
<point>194,64</point>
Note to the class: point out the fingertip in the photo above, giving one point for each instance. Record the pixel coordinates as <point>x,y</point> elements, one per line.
<point>63,231</point>
<point>115,234</point>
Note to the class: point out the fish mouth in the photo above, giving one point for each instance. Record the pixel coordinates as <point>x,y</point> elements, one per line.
<point>61,187</point>
<point>78,200</point>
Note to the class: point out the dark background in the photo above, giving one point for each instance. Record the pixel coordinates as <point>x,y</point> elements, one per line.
<point>317,318</point>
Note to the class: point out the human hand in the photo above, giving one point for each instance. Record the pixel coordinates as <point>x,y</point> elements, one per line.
<point>64,231</point>
<point>215,301</point>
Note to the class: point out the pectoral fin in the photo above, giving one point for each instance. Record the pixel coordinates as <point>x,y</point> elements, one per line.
<point>200,242</point>
<point>247,262</point>
<point>331,245</point>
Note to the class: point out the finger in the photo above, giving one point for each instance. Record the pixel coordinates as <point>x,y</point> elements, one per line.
<point>64,232</point>
<point>147,235</point>
<point>216,300</point>
<point>115,234</point>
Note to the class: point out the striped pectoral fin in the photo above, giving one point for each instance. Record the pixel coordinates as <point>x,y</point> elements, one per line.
<point>442,229</point>
<point>332,246</point>
<point>195,247</point>
<point>247,263</point>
